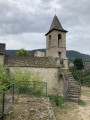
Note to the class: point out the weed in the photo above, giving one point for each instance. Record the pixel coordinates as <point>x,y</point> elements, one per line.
<point>81,103</point>
<point>57,100</point>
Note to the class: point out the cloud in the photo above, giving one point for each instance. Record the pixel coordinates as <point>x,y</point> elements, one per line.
<point>22,21</point>
<point>24,40</point>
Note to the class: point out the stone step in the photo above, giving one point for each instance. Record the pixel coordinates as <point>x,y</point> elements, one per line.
<point>73,96</point>
<point>73,99</point>
<point>75,92</point>
<point>73,86</point>
<point>72,81</point>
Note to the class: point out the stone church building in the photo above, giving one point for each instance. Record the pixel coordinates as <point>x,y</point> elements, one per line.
<point>53,66</point>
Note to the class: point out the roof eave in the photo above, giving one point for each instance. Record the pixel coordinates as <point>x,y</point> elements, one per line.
<point>56,30</point>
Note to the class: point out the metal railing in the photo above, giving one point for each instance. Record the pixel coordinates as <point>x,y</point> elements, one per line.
<point>7,97</point>
<point>11,93</point>
<point>33,88</point>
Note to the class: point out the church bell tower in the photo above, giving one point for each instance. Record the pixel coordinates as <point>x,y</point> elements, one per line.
<point>56,40</point>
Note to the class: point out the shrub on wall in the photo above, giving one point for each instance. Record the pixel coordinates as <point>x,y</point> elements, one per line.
<point>18,76</point>
<point>28,80</point>
<point>4,77</point>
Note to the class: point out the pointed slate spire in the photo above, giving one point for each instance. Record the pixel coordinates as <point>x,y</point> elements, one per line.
<point>56,25</point>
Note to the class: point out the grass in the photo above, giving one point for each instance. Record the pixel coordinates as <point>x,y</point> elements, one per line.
<point>62,112</point>
<point>85,91</point>
<point>58,101</point>
<point>81,103</point>
<point>15,112</point>
<point>73,112</point>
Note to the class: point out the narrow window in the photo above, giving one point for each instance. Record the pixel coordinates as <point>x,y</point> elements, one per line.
<point>59,54</point>
<point>49,41</point>
<point>59,40</point>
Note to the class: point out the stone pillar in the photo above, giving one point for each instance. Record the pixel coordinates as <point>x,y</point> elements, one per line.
<point>2,53</point>
<point>2,60</point>
<point>65,62</point>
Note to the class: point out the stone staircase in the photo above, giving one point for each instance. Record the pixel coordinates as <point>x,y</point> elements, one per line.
<point>73,90</point>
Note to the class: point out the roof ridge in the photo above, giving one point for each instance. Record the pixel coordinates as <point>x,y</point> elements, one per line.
<point>56,25</point>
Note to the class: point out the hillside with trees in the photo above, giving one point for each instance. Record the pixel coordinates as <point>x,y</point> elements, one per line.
<point>70,54</point>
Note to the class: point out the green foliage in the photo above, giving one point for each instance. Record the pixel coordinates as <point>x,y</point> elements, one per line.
<point>82,75</point>
<point>4,77</point>
<point>18,76</point>
<point>57,100</point>
<point>70,54</point>
<point>24,77</point>
<point>81,103</point>
<point>78,63</point>
<point>23,52</point>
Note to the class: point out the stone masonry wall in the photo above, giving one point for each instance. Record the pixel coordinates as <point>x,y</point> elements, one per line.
<point>50,75</point>
<point>54,49</point>
<point>1,59</point>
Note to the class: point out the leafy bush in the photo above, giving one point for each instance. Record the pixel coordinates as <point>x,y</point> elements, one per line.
<point>23,52</point>
<point>57,100</point>
<point>4,77</point>
<point>82,75</point>
<point>18,76</point>
<point>24,78</point>
<point>78,63</point>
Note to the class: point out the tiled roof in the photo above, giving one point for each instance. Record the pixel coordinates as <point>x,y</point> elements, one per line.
<point>56,25</point>
<point>24,61</point>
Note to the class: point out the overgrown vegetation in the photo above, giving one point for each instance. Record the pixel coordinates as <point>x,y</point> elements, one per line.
<point>4,77</point>
<point>81,103</point>
<point>18,76</point>
<point>57,100</point>
<point>78,63</point>
<point>82,75</point>
<point>23,52</point>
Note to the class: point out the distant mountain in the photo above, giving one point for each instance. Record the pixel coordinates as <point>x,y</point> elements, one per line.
<point>70,54</point>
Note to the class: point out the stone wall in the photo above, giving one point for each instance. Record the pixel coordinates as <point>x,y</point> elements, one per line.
<point>2,48</point>
<point>39,54</point>
<point>1,59</point>
<point>53,49</point>
<point>50,75</point>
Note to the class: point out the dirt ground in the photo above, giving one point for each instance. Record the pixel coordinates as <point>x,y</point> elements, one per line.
<point>31,108</point>
<point>75,111</point>
<point>39,109</point>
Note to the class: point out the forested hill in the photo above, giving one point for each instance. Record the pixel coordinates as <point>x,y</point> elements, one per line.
<point>70,54</point>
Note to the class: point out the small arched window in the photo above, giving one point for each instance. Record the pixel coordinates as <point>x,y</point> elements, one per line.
<point>59,40</point>
<point>49,40</point>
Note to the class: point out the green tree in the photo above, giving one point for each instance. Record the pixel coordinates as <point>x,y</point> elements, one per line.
<point>23,52</point>
<point>78,63</point>
<point>4,76</point>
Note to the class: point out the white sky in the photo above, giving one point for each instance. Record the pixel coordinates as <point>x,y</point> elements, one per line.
<point>23,23</point>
